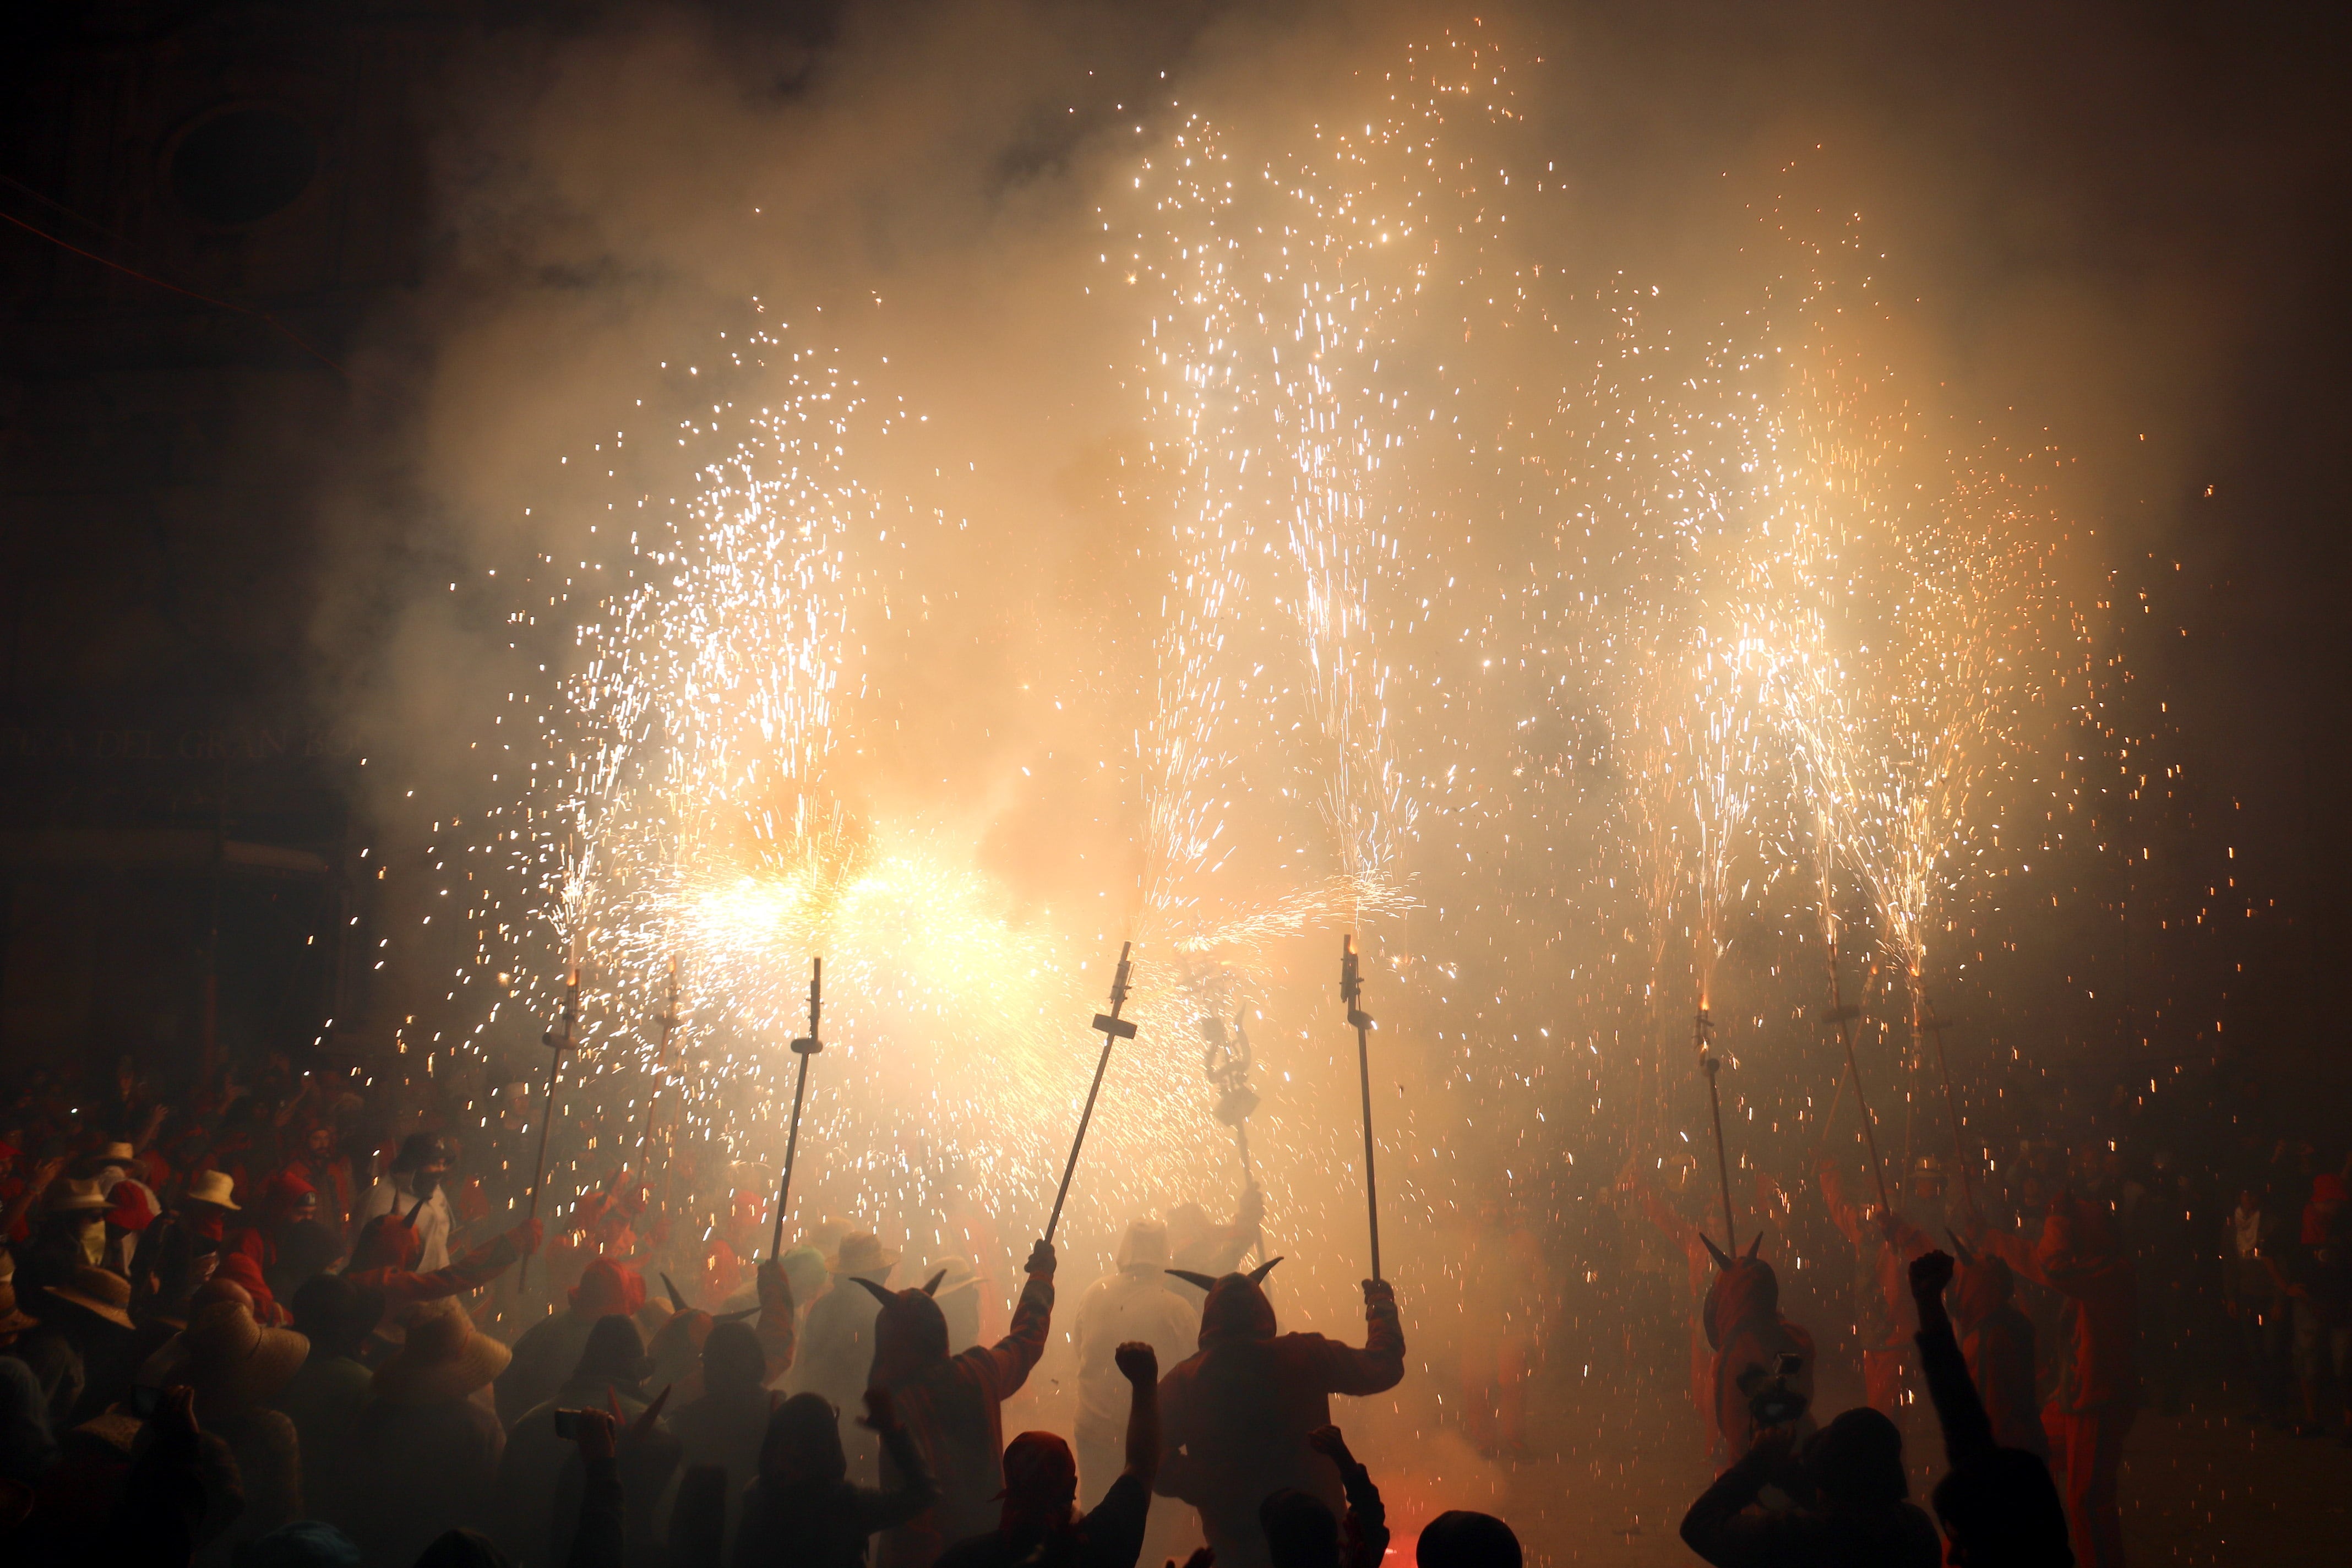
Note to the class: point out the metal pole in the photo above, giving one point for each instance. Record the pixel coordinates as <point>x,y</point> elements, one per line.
<point>1710,1066</point>
<point>803,1048</point>
<point>1114,1029</point>
<point>1351,992</point>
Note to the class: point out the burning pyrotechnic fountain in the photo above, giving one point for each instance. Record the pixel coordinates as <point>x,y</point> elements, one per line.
<point>1739,584</point>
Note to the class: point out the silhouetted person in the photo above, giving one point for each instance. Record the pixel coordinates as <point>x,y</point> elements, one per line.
<point>548,1350</point>
<point>953,1405</point>
<point>1039,1523</point>
<point>1999,1507</point>
<point>1299,1530</point>
<point>1753,1345</point>
<point>2098,1383</point>
<point>1853,1479</point>
<point>729,1424</point>
<point>1460,1539</point>
<point>1237,1415</point>
<point>1998,1341</point>
<point>804,1511</point>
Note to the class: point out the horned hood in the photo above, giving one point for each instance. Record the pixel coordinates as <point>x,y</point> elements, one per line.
<point>1744,1289</point>
<point>1236,1308</point>
<point>910,1332</point>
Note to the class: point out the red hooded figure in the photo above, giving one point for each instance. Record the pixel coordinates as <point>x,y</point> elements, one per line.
<point>1751,1339</point>
<point>1998,1341</point>
<point>2098,1383</point>
<point>951,1406</point>
<point>1234,1419</point>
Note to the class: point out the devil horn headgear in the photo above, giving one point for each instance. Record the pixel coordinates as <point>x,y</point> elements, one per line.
<point>879,1293</point>
<point>1257,1274</point>
<point>676,1302</point>
<point>1198,1281</point>
<point>932,1285</point>
<point>1721,1261</point>
<point>1755,1244</point>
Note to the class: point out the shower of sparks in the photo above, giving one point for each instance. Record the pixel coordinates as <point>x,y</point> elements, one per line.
<point>1799,635</point>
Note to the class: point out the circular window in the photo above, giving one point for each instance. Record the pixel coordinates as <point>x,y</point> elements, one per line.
<point>241,165</point>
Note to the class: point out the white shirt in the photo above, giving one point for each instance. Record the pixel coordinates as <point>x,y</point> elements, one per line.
<point>432,1221</point>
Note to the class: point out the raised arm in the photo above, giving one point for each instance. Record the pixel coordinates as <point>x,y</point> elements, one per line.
<point>1139,1365</point>
<point>1005,1366</point>
<point>1967,1430</point>
<point>1380,1365</point>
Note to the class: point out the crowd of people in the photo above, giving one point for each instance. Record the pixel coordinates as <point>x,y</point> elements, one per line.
<point>276,1325</point>
<point>2082,1292</point>
<point>232,1338</point>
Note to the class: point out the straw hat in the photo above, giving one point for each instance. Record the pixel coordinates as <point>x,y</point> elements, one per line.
<point>443,1359</point>
<point>116,1154</point>
<point>67,1194</point>
<point>231,1357</point>
<point>954,1274</point>
<point>862,1254</point>
<point>212,1187</point>
<point>100,1291</point>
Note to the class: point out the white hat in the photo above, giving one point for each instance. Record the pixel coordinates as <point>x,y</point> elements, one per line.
<point>212,1187</point>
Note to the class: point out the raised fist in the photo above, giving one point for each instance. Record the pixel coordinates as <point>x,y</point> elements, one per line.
<point>1379,1293</point>
<point>1930,1272</point>
<point>1137,1362</point>
<point>1041,1259</point>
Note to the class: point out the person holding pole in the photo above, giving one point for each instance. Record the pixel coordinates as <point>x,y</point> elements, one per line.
<point>1237,1418</point>
<point>953,1405</point>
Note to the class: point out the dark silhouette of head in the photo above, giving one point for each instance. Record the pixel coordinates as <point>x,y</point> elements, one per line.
<point>732,1357</point>
<point>1460,1539</point>
<point>1236,1308</point>
<point>1857,1460</point>
<point>1041,1483</point>
<point>2002,1511</point>
<point>910,1332</point>
<point>804,1443</point>
<point>615,1352</point>
<point>1300,1529</point>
